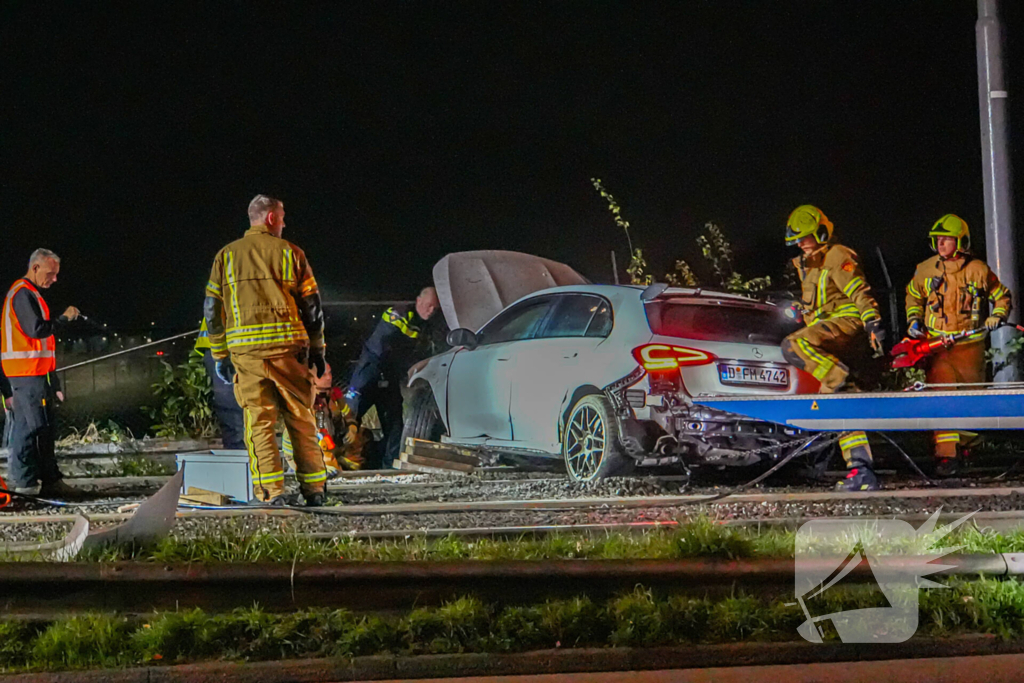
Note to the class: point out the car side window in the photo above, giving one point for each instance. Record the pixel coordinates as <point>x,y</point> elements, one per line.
<point>572,316</point>
<point>521,322</point>
<point>602,323</point>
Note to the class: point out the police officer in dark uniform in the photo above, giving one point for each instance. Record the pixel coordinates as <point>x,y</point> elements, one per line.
<point>394,346</point>
<point>225,407</point>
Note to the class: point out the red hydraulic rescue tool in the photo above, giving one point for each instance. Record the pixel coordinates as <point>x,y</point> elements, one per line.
<point>910,352</point>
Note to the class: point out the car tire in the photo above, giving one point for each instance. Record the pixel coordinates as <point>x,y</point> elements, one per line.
<point>590,441</point>
<point>422,418</point>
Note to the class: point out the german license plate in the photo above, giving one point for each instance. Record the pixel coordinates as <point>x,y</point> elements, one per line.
<point>753,375</point>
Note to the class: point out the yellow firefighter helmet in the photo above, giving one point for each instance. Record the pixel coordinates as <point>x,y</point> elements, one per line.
<point>807,221</point>
<point>951,225</point>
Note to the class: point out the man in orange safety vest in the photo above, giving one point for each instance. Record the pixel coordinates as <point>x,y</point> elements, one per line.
<point>28,354</point>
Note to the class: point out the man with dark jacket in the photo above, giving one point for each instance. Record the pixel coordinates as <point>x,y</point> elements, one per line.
<point>388,353</point>
<point>30,363</point>
<point>225,406</point>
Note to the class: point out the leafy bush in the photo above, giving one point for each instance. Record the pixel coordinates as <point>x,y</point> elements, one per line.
<point>1014,355</point>
<point>185,393</point>
<point>637,267</point>
<point>714,247</point>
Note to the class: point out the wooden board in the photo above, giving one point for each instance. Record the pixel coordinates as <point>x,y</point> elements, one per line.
<point>441,451</point>
<point>410,468</point>
<point>198,496</point>
<point>415,459</point>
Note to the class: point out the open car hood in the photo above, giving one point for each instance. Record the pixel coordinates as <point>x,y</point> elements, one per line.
<point>474,285</point>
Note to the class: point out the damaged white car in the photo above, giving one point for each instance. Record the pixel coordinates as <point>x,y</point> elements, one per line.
<point>602,376</point>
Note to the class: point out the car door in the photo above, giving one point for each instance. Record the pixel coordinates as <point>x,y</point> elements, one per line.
<point>552,365</point>
<point>480,379</point>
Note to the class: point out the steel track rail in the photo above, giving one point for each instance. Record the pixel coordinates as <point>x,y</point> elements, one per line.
<point>553,505</point>
<point>39,588</point>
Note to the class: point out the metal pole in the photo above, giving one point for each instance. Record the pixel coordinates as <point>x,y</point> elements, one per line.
<point>894,311</point>
<point>615,269</point>
<point>120,353</point>
<point>1001,248</point>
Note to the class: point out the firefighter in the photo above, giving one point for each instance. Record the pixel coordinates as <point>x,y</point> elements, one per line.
<point>328,410</point>
<point>30,364</point>
<point>266,331</point>
<point>840,314</point>
<point>951,292</point>
<point>388,353</point>
<point>225,407</point>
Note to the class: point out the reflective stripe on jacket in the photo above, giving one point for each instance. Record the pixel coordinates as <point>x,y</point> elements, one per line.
<point>949,295</point>
<point>833,285</point>
<point>262,285</point>
<point>22,355</point>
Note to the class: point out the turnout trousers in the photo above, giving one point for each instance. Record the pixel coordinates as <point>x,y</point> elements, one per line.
<point>32,456</point>
<point>267,388</point>
<point>959,364</point>
<point>225,407</point>
<point>817,349</point>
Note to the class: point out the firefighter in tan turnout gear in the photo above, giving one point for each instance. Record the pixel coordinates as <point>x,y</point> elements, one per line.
<point>951,292</point>
<point>839,313</point>
<point>266,329</point>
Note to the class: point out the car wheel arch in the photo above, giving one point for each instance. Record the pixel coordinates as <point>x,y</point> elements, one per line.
<point>572,399</point>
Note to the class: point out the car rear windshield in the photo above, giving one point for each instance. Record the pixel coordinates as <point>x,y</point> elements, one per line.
<point>720,322</point>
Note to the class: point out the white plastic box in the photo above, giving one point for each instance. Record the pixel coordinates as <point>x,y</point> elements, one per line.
<point>225,472</point>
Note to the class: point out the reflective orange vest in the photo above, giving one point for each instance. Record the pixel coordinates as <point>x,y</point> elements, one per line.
<point>22,355</point>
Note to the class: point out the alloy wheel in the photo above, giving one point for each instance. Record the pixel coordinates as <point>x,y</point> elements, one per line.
<point>584,442</point>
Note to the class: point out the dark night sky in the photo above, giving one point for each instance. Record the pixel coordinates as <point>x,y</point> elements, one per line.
<point>133,135</point>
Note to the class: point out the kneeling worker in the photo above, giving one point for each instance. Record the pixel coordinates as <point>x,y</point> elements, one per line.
<point>950,293</point>
<point>839,313</point>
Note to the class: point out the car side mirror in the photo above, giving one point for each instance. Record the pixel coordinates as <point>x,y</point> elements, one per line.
<point>463,337</point>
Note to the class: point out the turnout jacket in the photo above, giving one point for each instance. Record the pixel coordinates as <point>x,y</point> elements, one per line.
<point>949,295</point>
<point>833,285</point>
<point>391,349</point>
<point>262,299</point>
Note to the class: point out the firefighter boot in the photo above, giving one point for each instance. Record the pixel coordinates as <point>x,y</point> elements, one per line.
<point>859,461</point>
<point>316,500</point>
<point>949,453</point>
<point>860,477</point>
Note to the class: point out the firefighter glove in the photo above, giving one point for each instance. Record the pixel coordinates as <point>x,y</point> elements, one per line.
<point>992,322</point>
<point>226,371</point>
<point>350,434</point>
<point>877,335</point>
<point>916,330</point>
<point>316,360</point>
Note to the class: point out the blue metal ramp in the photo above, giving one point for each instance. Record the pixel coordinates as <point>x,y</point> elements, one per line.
<point>973,410</point>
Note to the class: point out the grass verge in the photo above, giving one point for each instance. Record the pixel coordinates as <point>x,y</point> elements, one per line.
<point>246,542</point>
<point>639,618</point>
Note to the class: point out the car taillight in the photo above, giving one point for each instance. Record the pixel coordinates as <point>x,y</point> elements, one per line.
<point>662,357</point>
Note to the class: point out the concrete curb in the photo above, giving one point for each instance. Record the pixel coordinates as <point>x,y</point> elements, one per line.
<point>533,663</point>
